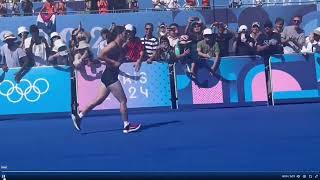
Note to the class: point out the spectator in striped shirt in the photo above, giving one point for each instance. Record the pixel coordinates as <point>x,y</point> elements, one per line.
<point>149,42</point>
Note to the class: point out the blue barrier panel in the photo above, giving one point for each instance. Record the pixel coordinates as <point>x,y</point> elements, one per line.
<point>150,87</point>
<point>11,24</point>
<point>294,78</point>
<point>241,81</point>
<point>41,90</point>
<point>317,64</point>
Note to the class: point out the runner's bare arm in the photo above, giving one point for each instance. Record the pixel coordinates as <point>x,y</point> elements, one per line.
<point>103,56</point>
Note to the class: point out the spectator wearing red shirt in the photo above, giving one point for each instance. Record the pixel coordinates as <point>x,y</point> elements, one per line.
<point>205,4</point>
<point>103,6</point>
<point>49,7</point>
<point>133,48</point>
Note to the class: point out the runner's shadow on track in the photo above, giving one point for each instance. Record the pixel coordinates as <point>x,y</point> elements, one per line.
<point>143,127</point>
<point>155,125</point>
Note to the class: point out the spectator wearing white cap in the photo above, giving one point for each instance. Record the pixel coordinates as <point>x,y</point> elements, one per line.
<point>59,53</point>
<point>243,28</point>
<point>53,37</point>
<point>23,35</point>
<point>316,37</point>
<point>133,47</point>
<point>162,30</point>
<point>255,31</point>
<point>312,43</point>
<point>13,56</point>
<point>244,44</point>
<point>83,54</point>
<point>209,48</point>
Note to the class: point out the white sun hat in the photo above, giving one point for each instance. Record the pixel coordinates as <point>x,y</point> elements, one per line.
<point>129,27</point>
<point>83,45</point>
<point>207,31</point>
<point>22,29</point>
<point>54,34</point>
<point>58,44</point>
<point>243,28</point>
<point>8,35</point>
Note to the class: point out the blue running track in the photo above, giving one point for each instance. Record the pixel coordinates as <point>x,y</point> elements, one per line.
<point>280,138</point>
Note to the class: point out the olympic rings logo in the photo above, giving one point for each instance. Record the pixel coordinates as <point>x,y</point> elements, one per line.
<point>24,93</point>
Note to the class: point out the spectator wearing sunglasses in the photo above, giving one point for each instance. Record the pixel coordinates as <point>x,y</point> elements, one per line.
<point>194,29</point>
<point>149,42</point>
<point>162,30</point>
<point>223,37</point>
<point>293,37</point>
<point>173,34</point>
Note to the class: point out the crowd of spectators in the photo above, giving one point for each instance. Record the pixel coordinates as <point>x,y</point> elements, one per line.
<point>26,7</point>
<point>175,4</point>
<point>192,45</point>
